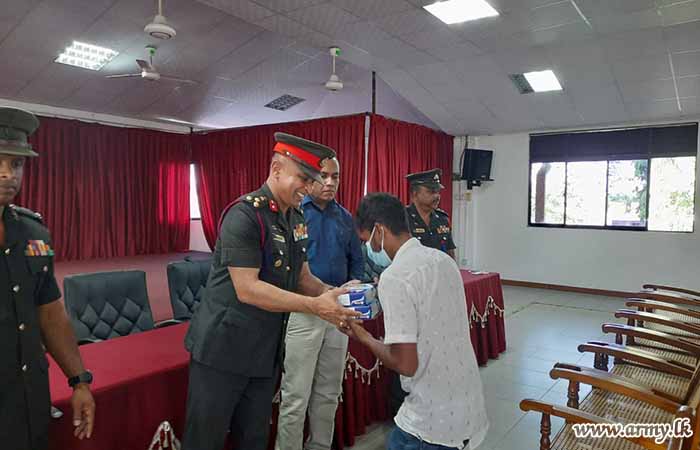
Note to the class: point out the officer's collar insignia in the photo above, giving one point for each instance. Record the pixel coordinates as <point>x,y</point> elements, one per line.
<point>300,232</point>
<point>273,206</point>
<point>38,248</point>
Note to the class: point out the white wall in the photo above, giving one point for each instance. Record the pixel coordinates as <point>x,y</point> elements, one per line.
<point>198,241</point>
<point>494,236</point>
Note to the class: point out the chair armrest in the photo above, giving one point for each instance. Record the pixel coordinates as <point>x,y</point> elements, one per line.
<point>680,343</point>
<point>659,287</point>
<point>638,356</point>
<point>668,297</point>
<point>632,315</point>
<point>614,383</point>
<point>167,323</point>
<point>573,416</point>
<point>645,305</point>
<point>84,341</point>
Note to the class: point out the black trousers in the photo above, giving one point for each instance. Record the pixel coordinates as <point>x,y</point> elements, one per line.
<point>218,401</point>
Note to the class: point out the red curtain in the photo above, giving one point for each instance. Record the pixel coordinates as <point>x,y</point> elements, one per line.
<point>398,148</point>
<point>109,191</point>
<point>233,162</point>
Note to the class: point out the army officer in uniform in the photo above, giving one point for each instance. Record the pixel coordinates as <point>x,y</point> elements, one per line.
<point>31,316</point>
<point>429,224</point>
<point>259,274</point>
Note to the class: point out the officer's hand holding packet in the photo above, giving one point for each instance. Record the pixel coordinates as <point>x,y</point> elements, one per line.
<point>361,297</point>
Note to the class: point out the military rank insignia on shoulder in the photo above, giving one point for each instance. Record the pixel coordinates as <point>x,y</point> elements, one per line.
<point>24,212</point>
<point>261,201</point>
<point>442,212</point>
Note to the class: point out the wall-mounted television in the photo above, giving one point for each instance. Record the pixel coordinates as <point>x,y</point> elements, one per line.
<point>476,166</point>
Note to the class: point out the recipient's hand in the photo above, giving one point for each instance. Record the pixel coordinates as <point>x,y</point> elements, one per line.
<point>83,411</point>
<point>326,307</point>
<point>356,330</point>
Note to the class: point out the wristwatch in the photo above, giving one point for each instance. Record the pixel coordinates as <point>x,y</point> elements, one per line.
<point>85,377</point>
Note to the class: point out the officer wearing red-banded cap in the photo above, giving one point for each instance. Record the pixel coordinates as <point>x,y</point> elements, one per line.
<point>31,317</point>
<point>259,275</point>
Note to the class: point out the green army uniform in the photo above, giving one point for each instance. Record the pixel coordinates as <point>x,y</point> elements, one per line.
<point>26,282</point>
<point>436,234</point>
<point>236,348</point>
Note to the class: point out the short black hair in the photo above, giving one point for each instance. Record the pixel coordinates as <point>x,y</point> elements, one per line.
<point>384,208</point>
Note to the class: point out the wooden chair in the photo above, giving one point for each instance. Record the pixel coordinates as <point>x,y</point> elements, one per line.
<point>615,399</point>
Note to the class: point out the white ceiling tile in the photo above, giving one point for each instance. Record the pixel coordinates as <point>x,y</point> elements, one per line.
<point>599,105</point>
<point>586,53</point>
<point>243,9</point>
<point>551,15</point>
<point>459,51</point>
<point>683,37</point>
<point>653,110</point>
<point>614,7</point>
<point>681,12</point>
<point>326,18</point>
<point>374,10</point>
<point>284,25</point>
<point>521,61</point>
<point>428,39</point>
<point>647,90</point>
<point>438,74</point>
<point>687,63</point>
<point>401,54</point>
<point>634,44</point>
<point>642,69</point>
<point>688,86</point>
<point>363,35</point>
<point>615,23</point>
<point>408,22</point>
<point>584,77</point>
<point>566,33</point>
<point>287,5</point>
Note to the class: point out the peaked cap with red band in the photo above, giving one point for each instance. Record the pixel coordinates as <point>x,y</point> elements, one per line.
<point>308,155</point>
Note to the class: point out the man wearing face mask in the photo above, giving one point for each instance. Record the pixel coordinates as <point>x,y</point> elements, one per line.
<point>315,350</point>
<point>427,339</point>
<point>429,224</point>
<point>259,274</point>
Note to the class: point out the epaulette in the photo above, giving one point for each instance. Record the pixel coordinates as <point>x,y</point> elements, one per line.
<point>442,212</point>
<point>24,212</point>
<point>261,201</point>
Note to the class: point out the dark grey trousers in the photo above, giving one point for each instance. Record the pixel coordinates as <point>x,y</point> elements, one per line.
<point>218,401</point>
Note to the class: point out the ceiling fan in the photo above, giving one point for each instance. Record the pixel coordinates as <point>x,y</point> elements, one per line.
<point>334,83</point>
<point>149,72</point>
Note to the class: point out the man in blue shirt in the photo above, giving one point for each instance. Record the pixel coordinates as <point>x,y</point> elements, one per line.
<point>315,350</point>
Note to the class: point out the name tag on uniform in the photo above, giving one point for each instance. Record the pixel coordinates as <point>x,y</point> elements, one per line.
<point>38,248</point>
<point>300,232</point>
<point>279,238</point>
<point>420,230</point>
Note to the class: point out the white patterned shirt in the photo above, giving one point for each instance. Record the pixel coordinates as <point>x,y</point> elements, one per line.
<point>422,295</point>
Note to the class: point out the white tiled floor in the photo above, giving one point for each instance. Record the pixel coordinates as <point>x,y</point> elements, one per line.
<point>542,327</point>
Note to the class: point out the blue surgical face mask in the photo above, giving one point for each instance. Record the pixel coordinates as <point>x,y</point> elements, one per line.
<point>379,258</point>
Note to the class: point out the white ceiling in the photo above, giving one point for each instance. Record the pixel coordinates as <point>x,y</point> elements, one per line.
<point>618,60</point>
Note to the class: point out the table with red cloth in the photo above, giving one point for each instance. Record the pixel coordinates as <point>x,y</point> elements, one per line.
<point>141,379</point>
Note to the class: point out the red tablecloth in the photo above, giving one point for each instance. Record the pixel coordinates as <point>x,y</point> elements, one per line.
<point>485,308</point>
<point>141,380</point>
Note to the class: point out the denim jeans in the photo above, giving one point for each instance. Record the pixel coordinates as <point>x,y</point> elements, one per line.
<point>400,440</point>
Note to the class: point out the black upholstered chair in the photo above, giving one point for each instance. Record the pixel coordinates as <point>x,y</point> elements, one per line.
<point>105,305</point>
<point>186,282</point>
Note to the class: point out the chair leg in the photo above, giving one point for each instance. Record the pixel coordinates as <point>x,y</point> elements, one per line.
<point>572,394</point>
<point>545,430</point>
